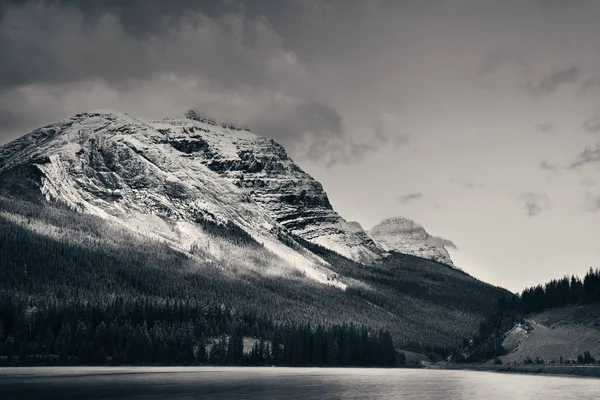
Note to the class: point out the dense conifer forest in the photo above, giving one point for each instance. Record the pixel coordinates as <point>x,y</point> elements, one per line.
<point>561,292</point>
<point>145,331</point>
<point>91,301</point>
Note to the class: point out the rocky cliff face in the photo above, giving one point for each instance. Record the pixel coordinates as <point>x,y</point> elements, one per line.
<point>160,178</point>
<point>405,236</point>
<point>261,168</point>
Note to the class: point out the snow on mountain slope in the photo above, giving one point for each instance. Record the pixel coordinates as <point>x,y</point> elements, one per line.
<point>261,168</point>
<point>406,236</point>
<point>151,181</point>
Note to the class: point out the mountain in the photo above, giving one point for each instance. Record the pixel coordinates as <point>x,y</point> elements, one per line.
<point>112,165</point>
<point>102,210</point>
<point>405,236</point>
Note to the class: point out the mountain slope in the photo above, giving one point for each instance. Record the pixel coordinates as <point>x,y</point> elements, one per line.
<point>405,236</point>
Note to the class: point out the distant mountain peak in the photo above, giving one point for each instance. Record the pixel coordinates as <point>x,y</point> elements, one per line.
<point>406,236</point>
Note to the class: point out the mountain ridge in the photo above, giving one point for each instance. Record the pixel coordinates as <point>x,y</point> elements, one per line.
<point>115,163</point>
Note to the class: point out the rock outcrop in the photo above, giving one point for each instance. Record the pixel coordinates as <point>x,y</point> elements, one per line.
<point>269,177</point>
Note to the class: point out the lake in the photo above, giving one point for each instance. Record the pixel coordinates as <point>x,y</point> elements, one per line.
<point>187,383</point>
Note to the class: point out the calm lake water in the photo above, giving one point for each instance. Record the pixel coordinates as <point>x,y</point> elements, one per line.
<point>286,383</point>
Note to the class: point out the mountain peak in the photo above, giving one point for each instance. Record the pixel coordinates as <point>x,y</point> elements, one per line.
<point>227,124</point>
<point>200,117</point>
<point>104,111</point>
<point>406,236</point>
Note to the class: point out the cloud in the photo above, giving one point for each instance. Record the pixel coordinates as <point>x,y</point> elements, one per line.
<point>407,198</point>
<point>528,74</point>
<point>587,181</point>
<point>591,125</point>
<point>534,203</point>
<point>387,131</point>
<point>312,126</point>
<point>589,83</point>
<point>545,128</point>
<point>153,59</point>
<point>592,203</point>
<point>473,185</point>
<point>548,166</point>
<point>441,242</point>
<point>587,156</point>
<point>500,59</point>
<point>549,83</point>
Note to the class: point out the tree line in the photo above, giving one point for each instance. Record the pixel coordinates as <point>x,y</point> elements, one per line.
<point>561,292</point>
<point>143,331</point>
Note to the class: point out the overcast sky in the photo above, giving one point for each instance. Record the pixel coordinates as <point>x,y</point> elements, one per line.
<point>479,119</point>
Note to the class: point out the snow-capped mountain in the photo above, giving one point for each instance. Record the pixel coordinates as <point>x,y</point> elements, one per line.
<point>406,236</point>
<point>160,179</point>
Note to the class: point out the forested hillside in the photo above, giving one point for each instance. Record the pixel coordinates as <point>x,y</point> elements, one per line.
<point>75,288</point>
<point>104,297</point>
<point>568,291</point>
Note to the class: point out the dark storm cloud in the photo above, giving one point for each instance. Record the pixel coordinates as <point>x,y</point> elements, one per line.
<point>407,198</point>
<point>534,203</point>
<point>230,50</point>
<point>224,57</point>
<point>587,156</point>
<point>549,83</point>
<point>139,17</point>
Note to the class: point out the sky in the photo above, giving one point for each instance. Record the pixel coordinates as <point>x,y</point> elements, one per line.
<point>479,119</point>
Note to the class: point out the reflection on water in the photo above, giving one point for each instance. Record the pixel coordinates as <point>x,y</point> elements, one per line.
<point>182,383</point>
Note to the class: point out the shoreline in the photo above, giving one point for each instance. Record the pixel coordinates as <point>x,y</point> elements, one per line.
<point>549,370</point>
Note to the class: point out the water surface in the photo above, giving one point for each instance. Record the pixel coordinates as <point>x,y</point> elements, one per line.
<point>181,383</point>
